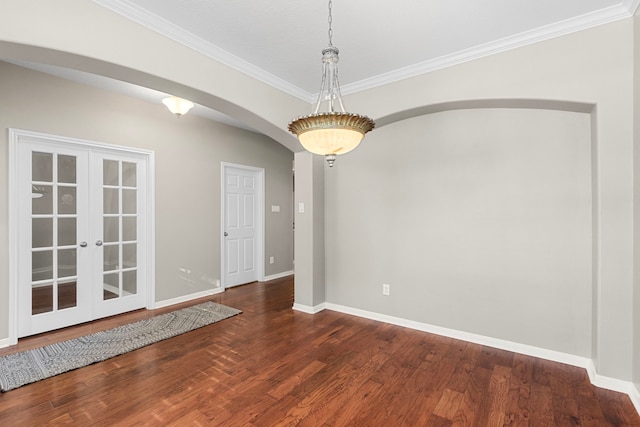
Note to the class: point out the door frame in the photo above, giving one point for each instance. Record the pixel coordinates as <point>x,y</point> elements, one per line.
<point>260,229</point>
<point>15,137</point>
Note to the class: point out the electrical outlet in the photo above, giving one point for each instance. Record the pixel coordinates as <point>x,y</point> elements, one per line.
<point>386,289</point>
<point>271,260</point>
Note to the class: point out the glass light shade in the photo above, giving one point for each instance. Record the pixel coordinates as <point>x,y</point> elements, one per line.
<point>329,130</point>
<point>330,141</point>
<point>331,133</point>
<point>177,106</point>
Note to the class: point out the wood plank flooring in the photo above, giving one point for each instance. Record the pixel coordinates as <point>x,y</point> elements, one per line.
<point>272,366</point>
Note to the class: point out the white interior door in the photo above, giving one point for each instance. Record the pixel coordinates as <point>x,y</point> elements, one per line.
<point>118,221</point>
<point>55,282</point>
<point>83,239</point>
<point>242,224</point>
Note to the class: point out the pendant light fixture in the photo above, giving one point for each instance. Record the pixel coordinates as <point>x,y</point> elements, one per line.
<point>330,130</point>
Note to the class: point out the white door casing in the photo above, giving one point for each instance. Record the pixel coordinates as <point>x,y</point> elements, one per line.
<point>242,233</point>
<point>84,247</point>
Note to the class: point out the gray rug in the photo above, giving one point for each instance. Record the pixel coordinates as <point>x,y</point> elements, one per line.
<point>34,365</point>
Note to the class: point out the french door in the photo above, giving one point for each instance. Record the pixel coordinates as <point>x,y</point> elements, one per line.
<point>82,232</point>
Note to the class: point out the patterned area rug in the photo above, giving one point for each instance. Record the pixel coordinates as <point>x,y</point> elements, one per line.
<point>34,365</point>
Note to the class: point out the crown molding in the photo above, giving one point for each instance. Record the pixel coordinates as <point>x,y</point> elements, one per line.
<point>632,6</point>
<point>177,34</point>
<point>579,23</point>
<point>625,9</point>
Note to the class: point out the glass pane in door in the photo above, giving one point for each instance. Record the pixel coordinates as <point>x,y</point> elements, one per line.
<point>66,200</point>
<point>41,265</point>
<point>111,286</point>
<point>129,173</point>
<point>129,228</point>
<point>67,263</point>
<point>42,299</point>
<point>119,216</point>
<point>111,257</point>
<point>42,166</point>
<point>41,232</point>
<point>53,232</point>
<point>130,285</point>
<point>67,231</point>
<point>111,201</point>
<point>67,295</point>
<point>111,229</point>
<point>41,199</point>
<point>110,173</point>
<point>66,169</point>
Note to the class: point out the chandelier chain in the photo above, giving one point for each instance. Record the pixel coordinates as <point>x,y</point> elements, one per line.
<point>330,22</point>
<point>329,130</point>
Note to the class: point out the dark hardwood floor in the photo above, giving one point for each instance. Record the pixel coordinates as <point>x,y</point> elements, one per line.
<point>272,366</point>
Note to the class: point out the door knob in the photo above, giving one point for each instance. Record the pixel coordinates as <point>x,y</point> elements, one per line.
<point>83,244</point>
<point>226,234</point>
<point>98,242</point>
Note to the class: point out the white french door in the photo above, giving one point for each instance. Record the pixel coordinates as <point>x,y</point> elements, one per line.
<point>242,224</point>
<point>82,241</point>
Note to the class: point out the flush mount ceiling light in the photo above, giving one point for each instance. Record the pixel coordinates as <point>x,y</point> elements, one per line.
<point>330,130</point>
<point>177,106</point>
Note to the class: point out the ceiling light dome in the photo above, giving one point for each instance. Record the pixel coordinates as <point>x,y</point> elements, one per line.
<point>177,106</point>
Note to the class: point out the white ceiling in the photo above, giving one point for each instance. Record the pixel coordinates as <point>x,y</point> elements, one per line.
<point>280,41</point>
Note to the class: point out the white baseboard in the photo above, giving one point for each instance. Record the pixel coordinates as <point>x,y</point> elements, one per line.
<point>185,298</point>
<point>308,309</point>
<point>528,350</point>
<point>582,362</point>
<point>4,343</point>
<point>278,275</point>
<point>635,396</point>
<point>608,382</point>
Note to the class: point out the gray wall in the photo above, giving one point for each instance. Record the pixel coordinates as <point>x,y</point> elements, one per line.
<point>480,220</point>
<point>636,228</point>
<point>590,70</point>
<point>310,231</point>
<point>188,154</point>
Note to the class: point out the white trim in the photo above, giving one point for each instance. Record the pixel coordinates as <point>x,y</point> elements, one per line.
<point>13,238</point>
<point>614,384</point>
<point>14,136</point>
<point>178,34</point>
<point>578,23</point>
<point>5,343</point>
<point>151,228</point>
<point>308,309</point>
<point>261,222</point>
<point>143,17</point>
<point>278,275</point>
<point>186,298</point>
<point>466,336</point>
<point>58,139</point>
<point>632,6</point>
<point>634,395</point>
<point>608,383</point>
<point>597,380</point>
